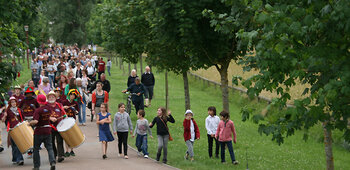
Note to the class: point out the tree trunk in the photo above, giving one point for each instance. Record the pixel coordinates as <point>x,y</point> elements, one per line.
<point>328,146</point>
<point>224,86</point>
<point>141,64</point>
<point>187,91</point>
<point>135,67</point>
<point>120,63</point>
<point>166,91</point>
<point>129,69</point>
<point>116,61</point>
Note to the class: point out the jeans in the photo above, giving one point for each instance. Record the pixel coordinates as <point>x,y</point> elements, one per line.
<point>123,140</point>
<point>138,104</point>
<point>149,92</point>
<point>230,149</point>
<point>210,146</point>
<point>59,151</point>
<point>82,113</point>
<point>109,70</point>
<point>47,140</point>
<point>141,143</point>
<point>162,144</point>
<point>52,80</point>
<point>189,145</point>
<point>16,154</point>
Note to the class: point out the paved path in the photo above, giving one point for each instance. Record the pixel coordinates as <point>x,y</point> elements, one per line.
<point>88,156</point>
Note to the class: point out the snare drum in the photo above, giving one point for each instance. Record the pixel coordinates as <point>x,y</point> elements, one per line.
<point>70,132</point>
<point>22,135</point>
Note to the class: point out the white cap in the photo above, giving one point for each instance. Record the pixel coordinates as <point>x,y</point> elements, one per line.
<point>189,111</point>
<point>78,79</point>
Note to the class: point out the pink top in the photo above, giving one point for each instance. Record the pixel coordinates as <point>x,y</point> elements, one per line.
<point>225,132</point>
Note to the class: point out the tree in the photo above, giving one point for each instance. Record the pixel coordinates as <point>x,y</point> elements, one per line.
<point>67,19</point>
<point>306,41</point>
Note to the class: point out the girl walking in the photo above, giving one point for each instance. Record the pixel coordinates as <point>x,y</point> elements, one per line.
<point>103,119</point>
<point>121,126</point>
<point>224,132</point>
<point>162,131</point>
<point>211,124</point>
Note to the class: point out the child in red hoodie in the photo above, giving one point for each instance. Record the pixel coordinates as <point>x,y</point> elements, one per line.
<point>191,132</point>
<point>224,133</point>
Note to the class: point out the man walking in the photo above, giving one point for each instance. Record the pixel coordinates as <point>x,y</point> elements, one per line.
<point>147,79</point>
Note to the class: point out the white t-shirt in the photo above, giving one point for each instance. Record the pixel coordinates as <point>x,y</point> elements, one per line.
<point>192,131</point>
<point>51,68</point>
<point>90,70</point>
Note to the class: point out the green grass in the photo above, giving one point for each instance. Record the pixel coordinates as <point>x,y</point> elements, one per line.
<point>262,152</point>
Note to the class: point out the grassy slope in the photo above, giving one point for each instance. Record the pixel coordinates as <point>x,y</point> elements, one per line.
<point>262,152</point>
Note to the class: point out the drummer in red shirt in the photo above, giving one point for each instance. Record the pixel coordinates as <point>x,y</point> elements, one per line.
<point>60,98</point>
<point>19,97</point>
<point>101,67</point>
<point>42,133</point>
<point>71,107</point>
<point>12,117</point>
<point>29,104</point>
<point>58,113</point>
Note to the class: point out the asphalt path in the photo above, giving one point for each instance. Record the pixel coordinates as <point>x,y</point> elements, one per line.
<point>88,155</point>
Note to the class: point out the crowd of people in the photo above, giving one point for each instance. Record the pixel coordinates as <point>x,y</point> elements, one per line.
<point>67,80</point>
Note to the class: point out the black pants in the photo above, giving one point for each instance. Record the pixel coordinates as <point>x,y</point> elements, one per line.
<point>138,104</point>
<point>59,150</point>
<point>149,93</point>
<point>123,140</point>
<point>46,139</point>
<point>210,146</point>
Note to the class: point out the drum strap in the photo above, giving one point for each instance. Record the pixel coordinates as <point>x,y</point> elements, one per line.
<point>20,114</point>
<point>53,127</point>
<point>8,126</point>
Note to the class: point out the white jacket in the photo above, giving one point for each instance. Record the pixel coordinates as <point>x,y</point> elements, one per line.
<point>211,124</point>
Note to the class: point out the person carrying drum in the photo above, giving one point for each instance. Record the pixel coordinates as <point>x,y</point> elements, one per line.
<point>42,132</point>
<point>58,113</point>
<point>139,90</point>
<point>71,107</point>
<point>28,106</point>
<point>60,98</point>
<point>12,117</point>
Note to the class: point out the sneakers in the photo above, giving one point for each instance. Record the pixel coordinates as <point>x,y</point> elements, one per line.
<point>30,155</point>
<point>66,154</point>
<point>126,157</point>
<point>104,156</point>
<point>186,156</point>
<point>20,163</point>
<point>53,166</point>
<point>60,159</point>
<point>165,161</point>
<point>235,162</point>
<point>146,156</point>
<point>1,149</point>
<point>72,153</point>
<point>120,155</point>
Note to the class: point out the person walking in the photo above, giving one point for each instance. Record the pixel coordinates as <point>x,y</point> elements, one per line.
<point>137,89</point>
<point>42,133</point>
<point>147,79</point>
<point>109,65</point>
<point>211,124</point>
<point>121,126</point>
<point>101,67</point>
<point>191,133</point>
<point>103,119</point>
<point>162,131</point>
<point>141,129</point>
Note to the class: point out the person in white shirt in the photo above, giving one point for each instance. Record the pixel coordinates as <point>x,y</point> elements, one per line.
<point>211,124</point>
<point>51,69</point>
<point>91,73</point>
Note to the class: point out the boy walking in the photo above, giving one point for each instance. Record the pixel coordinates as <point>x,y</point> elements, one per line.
<point>141,129</point>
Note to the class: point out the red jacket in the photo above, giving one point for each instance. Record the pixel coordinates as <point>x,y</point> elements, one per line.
<point>187,129</point>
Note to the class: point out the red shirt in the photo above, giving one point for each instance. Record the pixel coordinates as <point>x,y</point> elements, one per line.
<point>28,107</point>
<point>101,65</point>
<point>56,112</point>
<point>42,115</point>
<point>73,107</point>
<point>19,98</point>
<point>62,99</point>
<point>12,119</point>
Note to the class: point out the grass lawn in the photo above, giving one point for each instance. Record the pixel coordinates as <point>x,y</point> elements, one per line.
<point>262,152</point>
